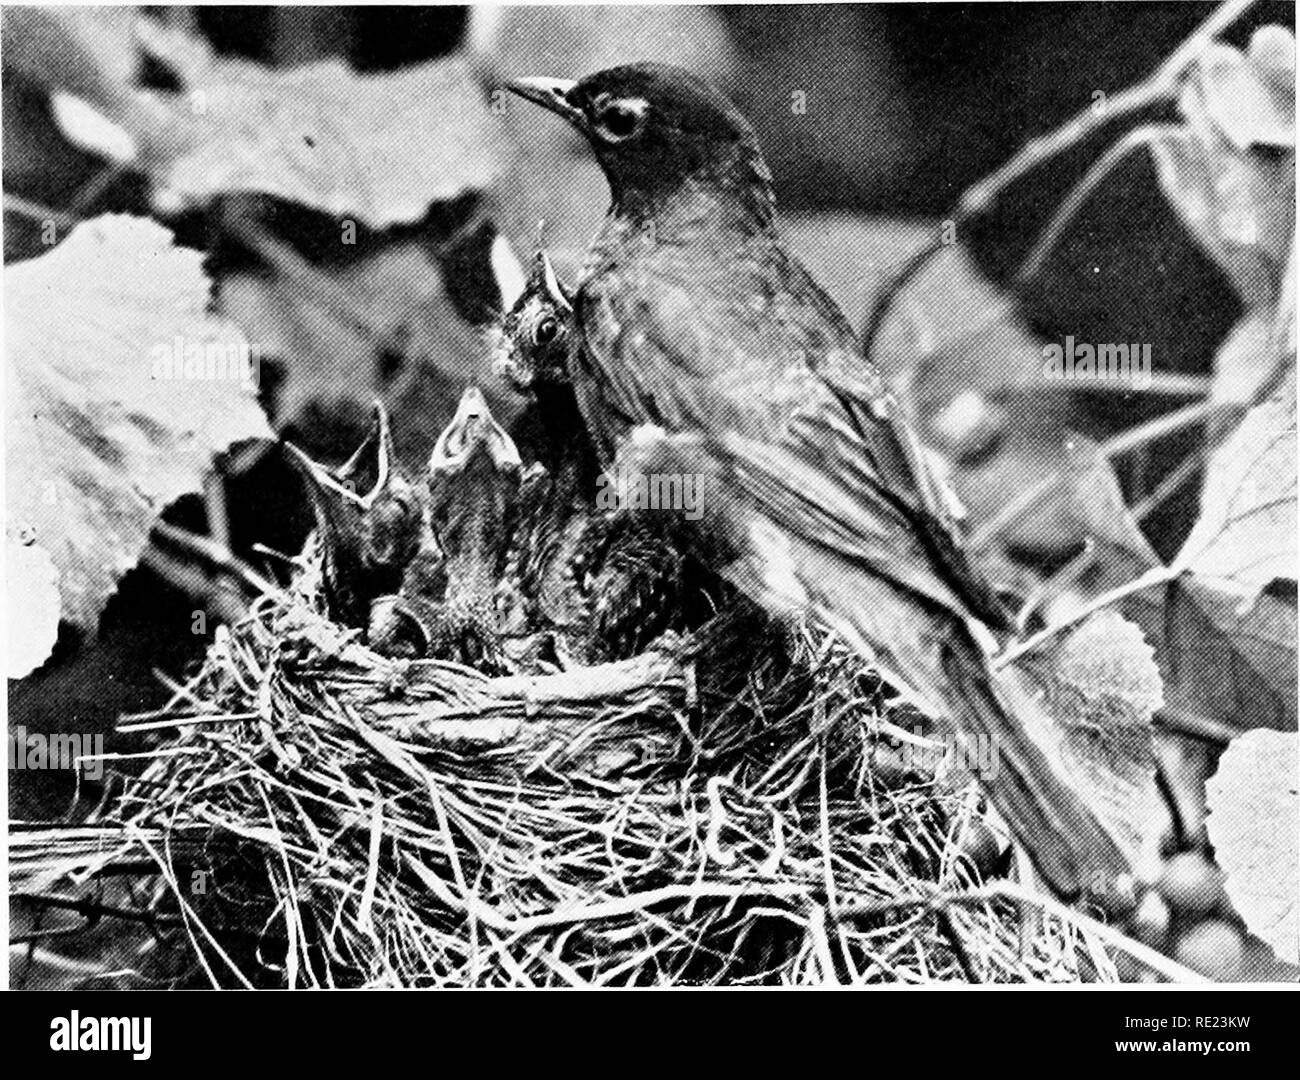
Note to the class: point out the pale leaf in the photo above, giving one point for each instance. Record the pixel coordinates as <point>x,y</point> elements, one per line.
<point>1246,533</point>
<point>1254,823</point>
<point>96,445</point>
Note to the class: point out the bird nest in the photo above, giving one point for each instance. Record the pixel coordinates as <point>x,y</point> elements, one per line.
<point>736,807</point>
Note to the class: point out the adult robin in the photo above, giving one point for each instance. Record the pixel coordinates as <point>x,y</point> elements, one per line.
<point>707,347</point>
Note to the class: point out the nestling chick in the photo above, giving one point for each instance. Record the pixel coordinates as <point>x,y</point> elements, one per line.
<point>603,584</point>
<point>533,346</point>
<point>369,521</point>
<point>473,480</point>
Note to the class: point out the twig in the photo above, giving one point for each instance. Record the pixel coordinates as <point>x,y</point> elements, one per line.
<point>1160,86</point>
<point>981,197</point>
<point>1007,890</point>
<point>1056,584</point>
<point>218,555</point>
<point>1157,575</point>
<point>86,195</point>
<point>884,305</point>
<point>1081,192</point>
<point>1161,426</point>
<point>1181,474</point>
<point>944,918</point>
<point>1158,383</point>
<point>93,910</point>
<point>37,212</point>
<point>1164,424</point>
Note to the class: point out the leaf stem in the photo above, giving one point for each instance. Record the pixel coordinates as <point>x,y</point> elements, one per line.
<point>1157,575</point>
<point>981,197</point>
<point>37,212</point>
<point>216,554</point>
<point>1098,171</point>
<point>1161,426</point>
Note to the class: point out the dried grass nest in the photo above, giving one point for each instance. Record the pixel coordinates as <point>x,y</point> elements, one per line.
<point>729,810</point>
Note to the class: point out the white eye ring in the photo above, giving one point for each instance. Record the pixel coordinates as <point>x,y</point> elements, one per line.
<point>619,119</point>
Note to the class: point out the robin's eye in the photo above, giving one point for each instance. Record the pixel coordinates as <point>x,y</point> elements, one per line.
<point>545,331</point>
<point>620,120</point>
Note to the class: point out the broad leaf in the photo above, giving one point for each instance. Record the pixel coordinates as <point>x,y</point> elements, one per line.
<point>1222,662</point>
<point>1251,96</point>
<point>379,148</point>
<point>1219,659</point>
<point>96,444</point>
<point>31,607</point>
<point>1230,172</point>
<point>1247,529</point>
<point>1254,824</point>
<point>1101,690</point>
<point>1246,359</point>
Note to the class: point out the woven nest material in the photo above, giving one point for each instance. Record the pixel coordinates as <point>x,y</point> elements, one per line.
<point>727,810</point>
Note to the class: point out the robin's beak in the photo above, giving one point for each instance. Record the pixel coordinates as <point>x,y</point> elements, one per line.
<point>550,94</point>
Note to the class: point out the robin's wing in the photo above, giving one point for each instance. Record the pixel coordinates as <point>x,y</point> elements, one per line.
<point>701,343</point>
<point>708,358</point>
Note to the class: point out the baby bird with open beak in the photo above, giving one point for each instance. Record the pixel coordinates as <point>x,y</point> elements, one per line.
<point>446,608</point>
<point>369,522</point>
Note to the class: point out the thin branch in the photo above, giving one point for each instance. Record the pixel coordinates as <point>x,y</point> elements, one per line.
<point>981,197</point>
<point>1161,384</point>
<point>1157,575</point>
<point>944,918</point>
<point>93,910</point>
<point>1180,475</point>
<point>1158,428</point>
<point>37,212</point>
<point>885,304</point>
<point>1098,171</point>
<point>218,555</point>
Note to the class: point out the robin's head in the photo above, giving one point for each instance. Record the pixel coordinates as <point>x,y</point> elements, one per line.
<point>533,347</point>
<point>655,128</point>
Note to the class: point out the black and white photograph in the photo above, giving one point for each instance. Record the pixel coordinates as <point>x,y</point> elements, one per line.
<point>652,496</point>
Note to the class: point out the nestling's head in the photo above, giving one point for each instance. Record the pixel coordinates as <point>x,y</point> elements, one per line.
<point>366,504</point>
<point>654,127</point>
<point>474,472</point>
<point>533,347</point>
<point>473,434</point>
